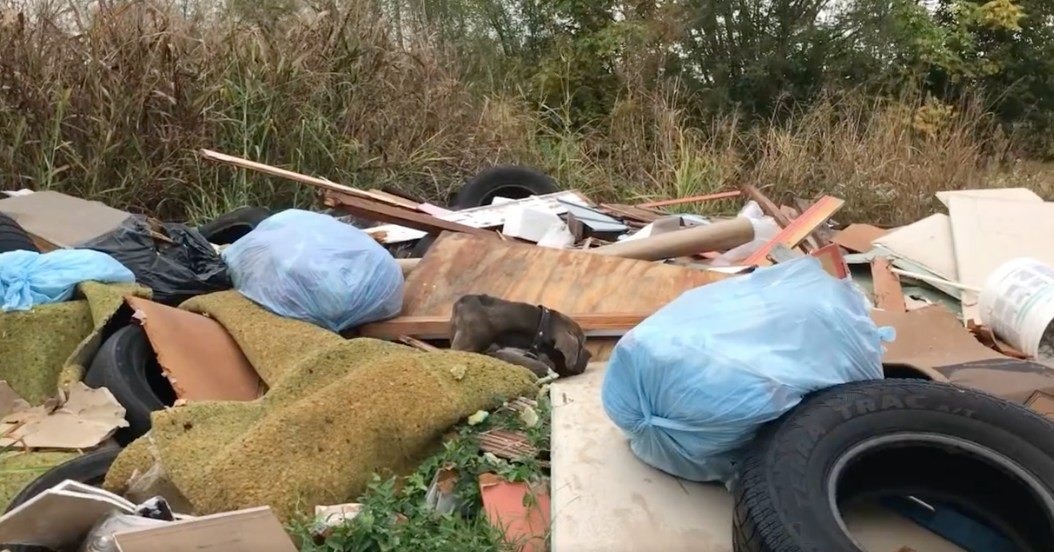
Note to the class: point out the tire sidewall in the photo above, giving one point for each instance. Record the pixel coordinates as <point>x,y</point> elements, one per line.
<point>802,450</point>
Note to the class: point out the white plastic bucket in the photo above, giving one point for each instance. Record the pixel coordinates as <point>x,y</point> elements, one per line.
<point>1017,302</point>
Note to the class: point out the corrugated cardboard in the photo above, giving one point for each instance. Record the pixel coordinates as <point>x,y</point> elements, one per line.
<point>197,355</point>
<point>931,340</point>
<point>89,417</point>
<point>858,237</point>
<point>1042,402</point>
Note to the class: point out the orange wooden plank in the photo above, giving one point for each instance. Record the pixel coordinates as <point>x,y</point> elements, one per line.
<point>888,294</point>
<point>799,228</point>
<point>832,260</point>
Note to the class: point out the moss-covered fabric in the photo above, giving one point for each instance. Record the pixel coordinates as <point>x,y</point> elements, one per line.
<point>50,345</point>
<point>337,412</point>
<point>18,469</point>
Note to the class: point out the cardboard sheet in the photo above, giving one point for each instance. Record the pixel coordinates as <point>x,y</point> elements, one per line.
<point>10,401</point>
<point>62,220</point>
<point>197,355</point>
<point>252,530</point>
<point>89,417</point>
<point>927,243</point>
<point>859,237</point>
<point>1012,194</point>
<point>990,232</point>
<point>933,341</point>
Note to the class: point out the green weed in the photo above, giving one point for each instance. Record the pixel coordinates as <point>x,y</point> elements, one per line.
<point>395,515</point>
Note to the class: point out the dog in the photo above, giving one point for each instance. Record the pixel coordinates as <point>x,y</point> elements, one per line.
<point>528,335</point>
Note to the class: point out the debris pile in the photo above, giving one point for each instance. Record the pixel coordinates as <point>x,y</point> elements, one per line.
<point>392,338</point>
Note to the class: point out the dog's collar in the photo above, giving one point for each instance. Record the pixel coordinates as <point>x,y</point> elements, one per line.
<point>543,337</point>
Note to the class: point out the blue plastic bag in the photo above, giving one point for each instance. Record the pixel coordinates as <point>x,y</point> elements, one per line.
<point>693,382</point>
<point>312,267</point>
<point>28,278</point>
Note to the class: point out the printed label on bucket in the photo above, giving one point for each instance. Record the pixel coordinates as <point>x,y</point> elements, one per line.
<point>1017,302</point>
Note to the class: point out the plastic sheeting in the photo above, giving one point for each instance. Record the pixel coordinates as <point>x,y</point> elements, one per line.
<point>28,278</point>
<point>312,267</point>
<point>692,383</point>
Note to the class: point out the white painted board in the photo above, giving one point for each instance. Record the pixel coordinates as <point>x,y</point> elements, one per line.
<point>990,232</point>
<point>1013,194</point>
<point>487,216</point>
<point>606,500</point>
<point>927,243</point>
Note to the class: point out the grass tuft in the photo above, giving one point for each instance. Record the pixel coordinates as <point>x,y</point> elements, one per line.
<point>111,100</point>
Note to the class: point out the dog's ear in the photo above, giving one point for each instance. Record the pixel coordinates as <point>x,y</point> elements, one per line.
<point>570,341</point>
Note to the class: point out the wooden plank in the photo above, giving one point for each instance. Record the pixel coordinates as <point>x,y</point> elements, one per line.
<point>439,327</point>
<point>782,218</point>
<point>631,212</point>
<point>416,343</point>
<point>888,294</point>
<point>374,210</point>
<point>833,262</point>
<point>693,199</point>
<point>781,254</point>
<point>396,200</point>
<point>568,281</point>
<point>799,229</point>
<point>270,170</point>
<point>767,206</point>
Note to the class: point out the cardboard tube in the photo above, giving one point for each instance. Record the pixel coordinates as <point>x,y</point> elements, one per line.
<point>718,236</point>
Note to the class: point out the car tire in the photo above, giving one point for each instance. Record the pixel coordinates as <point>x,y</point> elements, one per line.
<point>230,227</point>
<point>13,237</point>
<point>891,438</point>
<point>512,182</point>
<point>127,366</point>
<point>89,468</point>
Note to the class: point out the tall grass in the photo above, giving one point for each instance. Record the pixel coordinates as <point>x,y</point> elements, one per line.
<point>111,102</point>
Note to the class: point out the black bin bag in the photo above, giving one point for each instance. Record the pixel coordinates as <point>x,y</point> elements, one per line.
<point>172,259</point>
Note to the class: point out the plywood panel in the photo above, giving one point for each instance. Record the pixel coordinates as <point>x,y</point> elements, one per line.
<point>990,232</point>
<point>567,281</point>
